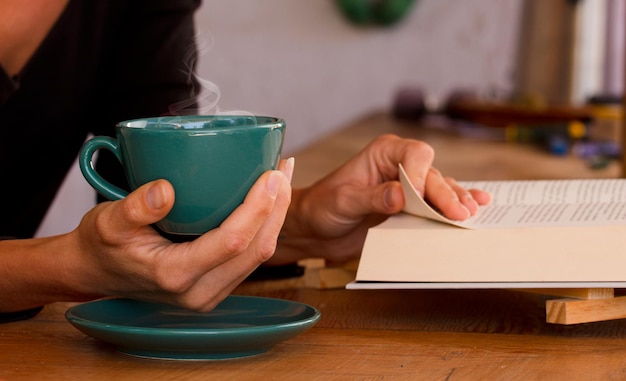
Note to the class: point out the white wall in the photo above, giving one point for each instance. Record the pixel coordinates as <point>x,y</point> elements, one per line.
<point>302,61</point>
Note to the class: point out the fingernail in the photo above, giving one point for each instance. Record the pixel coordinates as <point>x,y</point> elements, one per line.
<point>155,197</point>
<point>388,198</point>
<point>291,162</point>
<point>273,183</point>
<point>466,209</point>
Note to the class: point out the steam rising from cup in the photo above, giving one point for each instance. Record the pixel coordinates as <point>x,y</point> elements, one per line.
<point>205,101</point>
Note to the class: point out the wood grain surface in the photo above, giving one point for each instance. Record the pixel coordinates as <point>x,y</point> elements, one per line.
<point>363,335</point>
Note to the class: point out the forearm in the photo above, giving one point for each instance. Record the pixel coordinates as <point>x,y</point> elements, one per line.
<point>35,272</point>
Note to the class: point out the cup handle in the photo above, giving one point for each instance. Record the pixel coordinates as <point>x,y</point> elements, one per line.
<point>88,169</point>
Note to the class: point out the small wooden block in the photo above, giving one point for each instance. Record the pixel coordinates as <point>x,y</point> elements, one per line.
<point>575,311</point>
<point>577,293</point>
<point>320,276</point>
<point>328,277</point>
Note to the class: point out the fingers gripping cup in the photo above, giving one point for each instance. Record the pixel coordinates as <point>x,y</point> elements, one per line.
<point>211,161</point>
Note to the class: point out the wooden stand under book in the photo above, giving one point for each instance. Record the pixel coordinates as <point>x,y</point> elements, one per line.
<point>577,305</point>
<point>584,305</point>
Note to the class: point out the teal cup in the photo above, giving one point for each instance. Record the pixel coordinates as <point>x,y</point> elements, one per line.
<point>211,161</point>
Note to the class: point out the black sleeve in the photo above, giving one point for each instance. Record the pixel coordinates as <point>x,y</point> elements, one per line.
<point>8,86</point>
<point>148,68</point>
<point>19,315</point>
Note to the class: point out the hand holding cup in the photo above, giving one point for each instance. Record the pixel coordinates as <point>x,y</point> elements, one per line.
<point>211,161</point>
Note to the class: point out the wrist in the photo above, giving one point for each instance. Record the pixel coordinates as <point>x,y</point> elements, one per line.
<point>295,241</point>
<point>295,221</point>
<point>79,281</point>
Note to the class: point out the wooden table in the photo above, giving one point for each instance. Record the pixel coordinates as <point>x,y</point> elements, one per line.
<point>383,334</point>
<point>400,335</point>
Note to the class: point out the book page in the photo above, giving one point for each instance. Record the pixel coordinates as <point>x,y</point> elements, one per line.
<point>534,203</point>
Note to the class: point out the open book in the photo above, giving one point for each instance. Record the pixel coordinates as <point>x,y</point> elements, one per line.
<point>533,234</point>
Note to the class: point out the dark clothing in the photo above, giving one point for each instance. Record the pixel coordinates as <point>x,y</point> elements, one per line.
<point>103,62</point>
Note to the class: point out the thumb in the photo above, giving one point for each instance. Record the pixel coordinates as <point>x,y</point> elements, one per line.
<point>144,206</point>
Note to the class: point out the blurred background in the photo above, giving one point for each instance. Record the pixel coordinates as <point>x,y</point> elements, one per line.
<point>310,64</point>
<point>322,64</point>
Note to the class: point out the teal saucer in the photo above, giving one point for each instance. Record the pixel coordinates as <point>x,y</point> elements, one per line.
<point>239,326</point>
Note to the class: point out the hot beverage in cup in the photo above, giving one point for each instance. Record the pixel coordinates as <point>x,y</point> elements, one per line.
<point>211,161</point>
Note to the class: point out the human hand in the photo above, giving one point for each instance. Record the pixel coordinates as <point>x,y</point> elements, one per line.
<point>118,253</point>
<point>331,218</point>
